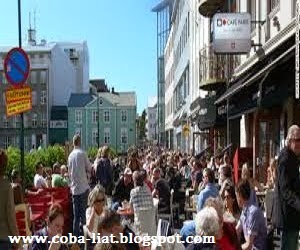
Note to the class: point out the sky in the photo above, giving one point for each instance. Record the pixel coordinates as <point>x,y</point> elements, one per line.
<point>121,37</point>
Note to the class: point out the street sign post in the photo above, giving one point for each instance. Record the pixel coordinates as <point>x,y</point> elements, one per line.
<point>16,67</point>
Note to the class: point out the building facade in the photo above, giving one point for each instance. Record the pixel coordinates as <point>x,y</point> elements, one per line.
<point>52,79</point>
<point>260,94</point>
<point>164,11</point>
<point>151,124</point>
<point>107,118</point>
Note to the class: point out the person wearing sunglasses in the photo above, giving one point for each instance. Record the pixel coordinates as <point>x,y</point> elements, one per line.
<point>287,190</point>
<point>96,203</point>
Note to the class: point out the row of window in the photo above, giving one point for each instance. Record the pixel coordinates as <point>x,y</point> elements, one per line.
<point>35,76</point>
<point>14,141</point>
<point>34,122</point>
<point>106,135</point>
<point>95,116</point>
<point>34,98</point>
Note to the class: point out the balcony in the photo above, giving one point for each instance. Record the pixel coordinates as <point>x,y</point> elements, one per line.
<point>208,8</point>
<point>215,69</point>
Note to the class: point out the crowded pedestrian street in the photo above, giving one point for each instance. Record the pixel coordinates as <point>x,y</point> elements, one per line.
<point>150,125</point>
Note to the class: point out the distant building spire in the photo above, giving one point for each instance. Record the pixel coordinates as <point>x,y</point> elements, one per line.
<point>31,32</point>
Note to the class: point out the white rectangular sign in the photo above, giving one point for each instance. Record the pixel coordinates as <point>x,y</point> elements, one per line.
<point>58,124</point>
<point>232,33</point>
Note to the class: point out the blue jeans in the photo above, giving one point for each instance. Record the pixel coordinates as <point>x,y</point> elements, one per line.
<point>5,245</point>
<point>289,239</point>
<point>79,208</point>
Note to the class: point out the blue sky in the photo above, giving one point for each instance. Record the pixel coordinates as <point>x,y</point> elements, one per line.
<point>121,36</point>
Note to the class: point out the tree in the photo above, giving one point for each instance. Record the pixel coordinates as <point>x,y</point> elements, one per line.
<point>142,126</point>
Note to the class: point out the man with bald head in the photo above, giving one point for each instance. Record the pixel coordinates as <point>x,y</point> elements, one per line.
<point>288,190</point>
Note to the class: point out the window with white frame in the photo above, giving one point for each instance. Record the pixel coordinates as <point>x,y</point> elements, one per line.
<point>34,120</point>
<point>106,135</point>
<point>43,76</point>
<point>95,137</point>
<point>95,116</point>
<point>33,77</point>
<point>78,131</point>
<point>124,136</point>
<point>44,120</point>
<point>106,116</point>
<point>25,121</point>
<point>78,116</point>
<point>43,97</point>
<point>16,121</point>
<point>4,81</point>
<point>34,98</point>
<point>27,142</point>
<point>6,142</point>
<point>124,115</point>
<point>5,121</point>
<point>3,100</point>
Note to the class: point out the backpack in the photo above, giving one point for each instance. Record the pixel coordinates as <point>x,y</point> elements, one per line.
<point>104,175</point>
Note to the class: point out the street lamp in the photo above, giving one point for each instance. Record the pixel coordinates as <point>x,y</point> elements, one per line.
<point>116,126</point>
<point>98,121</point>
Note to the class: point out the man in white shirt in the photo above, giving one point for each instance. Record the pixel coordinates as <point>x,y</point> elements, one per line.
<point>39,181</point>
<point>79,167</point>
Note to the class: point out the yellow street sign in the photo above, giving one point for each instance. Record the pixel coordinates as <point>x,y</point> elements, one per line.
<point>18,107</point>
<point>13,95</point>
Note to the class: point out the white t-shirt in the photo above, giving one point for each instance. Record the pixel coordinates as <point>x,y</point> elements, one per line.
<point>39,181</point>
<point>96,219</point>
<point>79,167</point>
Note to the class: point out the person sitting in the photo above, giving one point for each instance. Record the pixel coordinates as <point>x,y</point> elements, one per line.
<point>232,211</point>
<point>227,175</point>
<point>64,173</point>
<point>210,189</point>
<point>96,204</point>
<point>147,182</point>
<point>57,178</point>
<point>122,189</point>
<point>252,222</point>
<point>55,224</point>
<point>110,224</point>
<point>163,193</point>
<point>141,202</point>
<point>207,224</point>
<point>39,181</point>
<point>254,185</point>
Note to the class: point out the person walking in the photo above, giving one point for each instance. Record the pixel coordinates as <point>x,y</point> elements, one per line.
<point>287,190</point>
<point>79,168</point>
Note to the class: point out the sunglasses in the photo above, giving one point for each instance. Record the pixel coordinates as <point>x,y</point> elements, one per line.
<point>99,200</point>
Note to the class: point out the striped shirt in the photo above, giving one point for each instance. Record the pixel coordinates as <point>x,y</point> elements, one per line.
<point>141,198</point>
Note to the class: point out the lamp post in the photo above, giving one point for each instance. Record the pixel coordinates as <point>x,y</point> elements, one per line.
<point>116,126</point>
<point>98,121</point>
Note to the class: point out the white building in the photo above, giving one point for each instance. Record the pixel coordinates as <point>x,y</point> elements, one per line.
<point>178,77</point>
<point>151,124</point>
<point>53,77</point>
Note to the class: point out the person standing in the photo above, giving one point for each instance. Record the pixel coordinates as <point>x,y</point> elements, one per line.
<point>8,224</point>
<point>288,190</point>
<point>79,168</point>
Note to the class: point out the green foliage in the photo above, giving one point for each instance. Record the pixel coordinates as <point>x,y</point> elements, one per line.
<point>92,152</point>
<point>48,156</point>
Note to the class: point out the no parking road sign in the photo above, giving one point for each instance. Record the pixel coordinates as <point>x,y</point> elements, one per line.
<point>16,67</point>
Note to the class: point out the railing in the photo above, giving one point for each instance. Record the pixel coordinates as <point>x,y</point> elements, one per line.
<point>215,69</point>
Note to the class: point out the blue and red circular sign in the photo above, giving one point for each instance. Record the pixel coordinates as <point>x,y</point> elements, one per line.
<point>16,67</point>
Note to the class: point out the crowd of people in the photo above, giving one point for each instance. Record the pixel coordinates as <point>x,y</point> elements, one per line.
<point>102,187</point>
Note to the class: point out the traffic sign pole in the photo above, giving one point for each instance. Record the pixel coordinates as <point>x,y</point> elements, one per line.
<point>21,115</point>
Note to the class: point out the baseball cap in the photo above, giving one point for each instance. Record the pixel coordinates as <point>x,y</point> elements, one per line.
<point>127,171</point>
